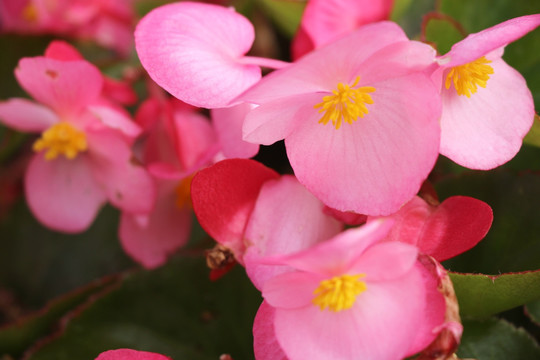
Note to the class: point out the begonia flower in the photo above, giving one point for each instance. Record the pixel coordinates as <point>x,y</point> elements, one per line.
<point>442,231</point>
<point>359,118</point>
<point>129,354</point>
<point>83,156</point>
<point>177,143</point>
<point>326,20</point>
<point>350,297</point>
<point>196,52</point>
<point>487,107</point>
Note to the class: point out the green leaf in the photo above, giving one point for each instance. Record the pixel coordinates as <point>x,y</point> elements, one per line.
<point>443,34</point>
<point>495,339</point>
<point>285,13</point>
<point>533,137</point>
<point>533,311</point>
<point>481,295</point>
<point>512,243</point>
<point>174,310</point>
<point>409,14</point>
<point>17,337</point>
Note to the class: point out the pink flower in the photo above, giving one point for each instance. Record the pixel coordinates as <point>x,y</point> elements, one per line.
<point>128,354</point>
<point>487,107</point>
<point>352,298</point>
<point>359,119</point>
<point>178,141</point>
<point>326,20</point>
<point>83,156</point>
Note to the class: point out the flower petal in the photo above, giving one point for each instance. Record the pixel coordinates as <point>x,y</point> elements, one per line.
<point>265,345</point>
<point>128,354</point>
<point>25,115</point>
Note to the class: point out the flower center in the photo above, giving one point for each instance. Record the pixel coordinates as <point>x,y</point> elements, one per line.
<point>61,139</point>
<point>30,13</point>
<point>467,77</point>
<point>339,293</point>
<point>346,104</point>
<point>183,193</point>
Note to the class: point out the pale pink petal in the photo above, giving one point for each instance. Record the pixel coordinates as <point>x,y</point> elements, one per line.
<point>167,229</point>
<point>62,193</point>
<point>379,162</point>
<point>224,196</point>
<point>228,123</point>
<point>116,119</point>
<point>127,184</point>
<point>291,290</point>
<point>265,345</point>
<point>380,326</point>
<point>128,354</point>
<point>347,217</point>
<point>479,44</point>
<point>193,50</point>
<point>486,130</point>
<point>301,224</point>
<point>385,261</point>
<point>64,86</point>
<point>27,116</point>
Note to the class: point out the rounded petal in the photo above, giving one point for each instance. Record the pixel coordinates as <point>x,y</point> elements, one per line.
<point>486,130</point>
<point>128,354</point>
<point>193,51</point>
<point>265,345</point>
<point>64,86</point>
<point>63,194</point>
<point>385,261</point>
<point>27,116</point>
<point>61,50</point>
<point>223,198</point>
<point>379,162</point>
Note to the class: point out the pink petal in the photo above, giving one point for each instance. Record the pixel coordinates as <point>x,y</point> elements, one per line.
<point>224,196</point>
<point>27,116</point>
<point>286,219</point>
<point>63,194</point>
<point>301,44</point>
<point>479,44</point>
<point>265,345</point>
<point>64,86</point>
<point>167,229</point>
<point>128,354</point>
<point>291,290</point>
<point>115,119</point>
<point>347,217</point>
<point>228,123</point>
<point>61,50</point>
<point>486,130</point>
<point>376,164</point>
<point>119,91</point>
<point>193,50</point>
<point>128,186</point>
<point>195,139</point>
<point>385,261</point>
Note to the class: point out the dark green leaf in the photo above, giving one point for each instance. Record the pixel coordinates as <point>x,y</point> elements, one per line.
<point>533,310</point>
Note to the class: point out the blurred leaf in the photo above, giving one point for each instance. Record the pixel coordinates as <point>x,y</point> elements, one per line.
<point>39,264</point>
<point>513,243</point>
<point>533,137</point>
<point>533,311</point>
<point>481,295</point>
<point>495,339</point>
<point>285,13</point>
<point>174,310</point>
<point>443,34</point>
<point>409,14</point>
<point>17,337</point>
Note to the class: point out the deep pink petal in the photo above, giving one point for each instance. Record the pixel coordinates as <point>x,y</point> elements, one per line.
<point>127,184</point>
<point>61,50</point>
<point>265,345</point>
<point>223,198</point>
<point>64,86</point>
<point>195,139</point>
<point>128,354</point>
<point>479,44</point>
<point>228,123</point>
<point>63,194</point>
<point>379,162</point>
<point>301,44</point>
<point>25,115</point>
<point>193,50</point>
<point>167,228</point>
<point>301,223</point>
<point>486,130</point>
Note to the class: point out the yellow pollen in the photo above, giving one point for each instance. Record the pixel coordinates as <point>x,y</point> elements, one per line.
<point>346,104</point>
<point>467,77</point>
<point>339,293</point>
<point>61,139</point>
<point>183,193</point>
<point>30,13</point>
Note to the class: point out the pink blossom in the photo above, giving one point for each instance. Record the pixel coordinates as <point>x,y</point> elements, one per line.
<point>326,20</point>
<point>359,119</point>
<point>83,156</point>
<point>128,354</point>
<point>487,107</point>
<point>349,298</point>
<point>177,142</point>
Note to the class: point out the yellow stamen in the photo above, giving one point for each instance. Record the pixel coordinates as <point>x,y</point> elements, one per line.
<point>61,139</point>
<point>339,293</point>
<point>183,193</point>
<point>467,77</point>
<point>30,13</point>
<point>346,104</point>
